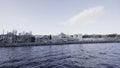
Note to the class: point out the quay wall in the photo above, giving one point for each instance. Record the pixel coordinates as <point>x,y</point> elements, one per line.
<point>46,44</point>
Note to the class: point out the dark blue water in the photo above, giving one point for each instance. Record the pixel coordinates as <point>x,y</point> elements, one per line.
<point>62,56</point>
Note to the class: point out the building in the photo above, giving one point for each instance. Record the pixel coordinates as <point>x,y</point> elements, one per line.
<point>77,36</point>
<point>12,37</point>
<point>42,38</point>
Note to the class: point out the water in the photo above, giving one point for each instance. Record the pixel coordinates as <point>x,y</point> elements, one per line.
<point>104,55</point>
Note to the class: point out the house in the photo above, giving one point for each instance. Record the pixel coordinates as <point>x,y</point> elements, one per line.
<point>42,38</point>
<point>77,36</point>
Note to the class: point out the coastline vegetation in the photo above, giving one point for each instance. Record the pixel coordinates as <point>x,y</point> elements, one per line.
<point>28,39</point>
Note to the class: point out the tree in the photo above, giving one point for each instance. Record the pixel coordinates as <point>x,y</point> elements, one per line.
<point>32,39</point>
<point>112,35</point>
<point>50,37</point>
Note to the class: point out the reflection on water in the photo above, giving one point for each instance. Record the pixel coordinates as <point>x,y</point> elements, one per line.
<point>62,56</point>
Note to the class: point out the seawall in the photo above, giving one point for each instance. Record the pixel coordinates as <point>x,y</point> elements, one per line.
<point>46,44</point>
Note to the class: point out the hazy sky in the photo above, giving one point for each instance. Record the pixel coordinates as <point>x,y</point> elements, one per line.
<point>56,16</point>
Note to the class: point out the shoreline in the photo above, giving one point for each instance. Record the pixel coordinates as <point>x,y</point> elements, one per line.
<point>46,44</point>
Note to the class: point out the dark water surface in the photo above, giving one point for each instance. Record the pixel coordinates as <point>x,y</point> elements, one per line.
<point>104,55</point>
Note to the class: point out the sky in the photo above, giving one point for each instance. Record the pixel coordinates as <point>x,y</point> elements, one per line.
<point>56,16</point>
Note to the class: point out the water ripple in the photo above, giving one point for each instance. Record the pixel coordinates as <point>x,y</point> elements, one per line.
<point>70,56</point>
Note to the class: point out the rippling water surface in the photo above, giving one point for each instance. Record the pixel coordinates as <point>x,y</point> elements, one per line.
<point>62,56</point>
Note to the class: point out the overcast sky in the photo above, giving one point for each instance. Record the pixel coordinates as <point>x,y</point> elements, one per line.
<point>56,16</point>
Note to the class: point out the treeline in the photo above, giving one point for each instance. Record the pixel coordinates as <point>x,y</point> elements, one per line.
<point>100,36</point>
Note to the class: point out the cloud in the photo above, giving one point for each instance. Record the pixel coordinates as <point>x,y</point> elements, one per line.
<point>85,16</point>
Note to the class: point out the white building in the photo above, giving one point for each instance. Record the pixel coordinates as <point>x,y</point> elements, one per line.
<point>77,36</point>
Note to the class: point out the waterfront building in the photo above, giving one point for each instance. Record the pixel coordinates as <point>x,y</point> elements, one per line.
<point>43,38</point>
<point>12,37</point>
<point>77,36</point>
<point>70,38</point>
